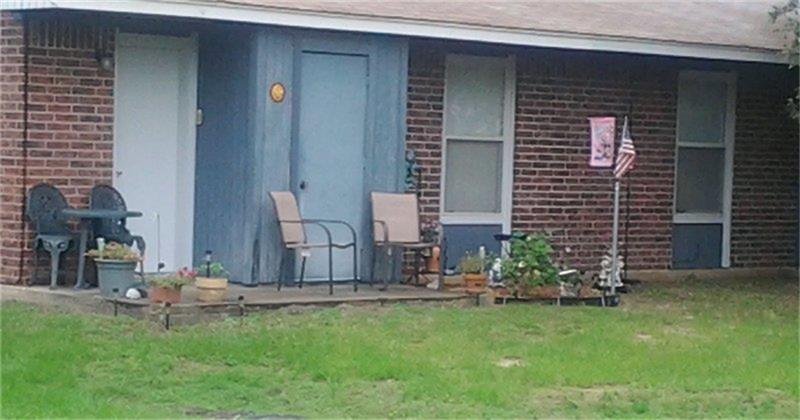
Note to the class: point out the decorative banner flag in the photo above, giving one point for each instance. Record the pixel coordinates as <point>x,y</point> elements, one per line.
<point>626,155</point>
<point>602,153</point>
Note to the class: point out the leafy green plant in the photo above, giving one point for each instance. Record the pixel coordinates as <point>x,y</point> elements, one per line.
<point>214,269</point>
<point>177,280</point>
<point>529,263</point>
<point>472,264</point>
<point>115,251</point>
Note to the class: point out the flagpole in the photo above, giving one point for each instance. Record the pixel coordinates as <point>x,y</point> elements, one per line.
<point>614,239</point>
<point>615,227</point>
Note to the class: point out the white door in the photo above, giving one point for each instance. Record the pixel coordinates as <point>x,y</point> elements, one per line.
<point>154,142</point>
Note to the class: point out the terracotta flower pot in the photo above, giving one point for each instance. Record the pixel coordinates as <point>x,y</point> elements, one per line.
<point>474,280</point>
<point>432,262</point>
<point>164,295</point>
<point>549,291</point>
<point>211,289</point>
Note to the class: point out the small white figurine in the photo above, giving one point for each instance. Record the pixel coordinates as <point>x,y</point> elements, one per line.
<point>133,293</point>
<point>495,274</point>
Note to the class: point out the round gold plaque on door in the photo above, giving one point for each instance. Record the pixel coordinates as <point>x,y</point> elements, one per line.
<point>277,92</point>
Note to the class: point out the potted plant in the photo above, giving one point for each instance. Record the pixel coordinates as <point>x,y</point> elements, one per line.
<point>211,282</point>
<point>529,270</point>
<point>116,266</point>
<point>473,269</point>
<point>167,288</point>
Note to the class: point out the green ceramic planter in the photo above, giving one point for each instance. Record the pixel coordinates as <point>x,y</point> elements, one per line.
<point>116,274</point>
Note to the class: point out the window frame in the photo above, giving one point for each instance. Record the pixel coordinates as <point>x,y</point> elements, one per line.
<point>502,217</point>
<point>727,144</point>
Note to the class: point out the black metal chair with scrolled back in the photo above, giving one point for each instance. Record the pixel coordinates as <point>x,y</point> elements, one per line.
<point>106,197</point>
<point>43,208</point>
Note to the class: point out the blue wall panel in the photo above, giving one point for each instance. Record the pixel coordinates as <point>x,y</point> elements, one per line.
<point>460,239</point>
<point>224,151</point>
<point>245,143</point>
<point>385,128</point>
<point>697,246</point>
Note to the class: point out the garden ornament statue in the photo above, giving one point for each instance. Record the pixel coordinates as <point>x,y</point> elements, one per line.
<point>607,278</point>
<point>412,171</point>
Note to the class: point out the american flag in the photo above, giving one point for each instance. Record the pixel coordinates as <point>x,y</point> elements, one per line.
<point>626,155</point>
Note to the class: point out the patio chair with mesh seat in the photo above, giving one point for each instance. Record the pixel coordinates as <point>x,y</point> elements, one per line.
<point>43,208</point>
<point>395,224</point>
<point>293,233</point>
<point>106,197</point>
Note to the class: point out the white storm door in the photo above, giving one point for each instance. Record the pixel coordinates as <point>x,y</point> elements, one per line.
<point>704,169</point>
<point>154,142</point>
<point>478,141</point>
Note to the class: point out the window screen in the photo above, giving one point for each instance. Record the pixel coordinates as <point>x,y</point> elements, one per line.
<point>700,180</point>
<point>472,177</point>
<point>475,94</point>
<point>701,111</point>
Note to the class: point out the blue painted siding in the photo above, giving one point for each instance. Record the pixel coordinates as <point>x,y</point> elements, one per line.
<point>245,144</point>
<point>224,150</point>
<point>697,246</point>
<point>385,127</point>
<point>460,239</point>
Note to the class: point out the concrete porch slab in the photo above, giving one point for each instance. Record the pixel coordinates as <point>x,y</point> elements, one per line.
<point>254,299</point>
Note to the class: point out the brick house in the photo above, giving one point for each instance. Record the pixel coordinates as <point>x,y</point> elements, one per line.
<point>174,104</point>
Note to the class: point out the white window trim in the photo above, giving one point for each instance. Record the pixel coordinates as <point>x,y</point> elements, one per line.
<point>723,218</point>
<point>507,174</point>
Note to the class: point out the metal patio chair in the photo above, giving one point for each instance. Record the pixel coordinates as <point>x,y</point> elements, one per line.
<point>106,197</point>
<point>294,237</point>
<point>395,224</point>
<point>43,208</point>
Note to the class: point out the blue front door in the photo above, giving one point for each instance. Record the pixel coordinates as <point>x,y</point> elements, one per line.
<point>328,174</point>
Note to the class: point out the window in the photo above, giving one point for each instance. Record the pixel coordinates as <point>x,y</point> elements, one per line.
<point>478,138</point>
<point>703,178</point>
<point>699,180</point>
<point>474,170</point>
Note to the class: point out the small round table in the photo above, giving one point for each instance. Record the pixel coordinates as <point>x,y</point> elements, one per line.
<point>85,217</point>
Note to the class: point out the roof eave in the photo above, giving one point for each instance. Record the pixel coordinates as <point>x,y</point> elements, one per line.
<point>438,30</point>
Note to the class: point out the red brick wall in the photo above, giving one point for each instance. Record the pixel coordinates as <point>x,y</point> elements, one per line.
<point>424,124</point>
<point>554,188</point>
<point>69,131</point>
<point>11,63</point>
<point>765,183</point>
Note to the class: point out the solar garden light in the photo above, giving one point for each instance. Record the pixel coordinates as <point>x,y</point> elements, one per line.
<point>207,259</point>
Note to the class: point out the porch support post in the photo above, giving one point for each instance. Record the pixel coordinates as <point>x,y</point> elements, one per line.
<point>614,240</point>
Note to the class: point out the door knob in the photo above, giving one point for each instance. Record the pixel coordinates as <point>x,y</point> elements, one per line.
<point>303,185</point>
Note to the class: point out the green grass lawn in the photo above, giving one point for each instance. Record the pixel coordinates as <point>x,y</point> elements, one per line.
<point>692,349</point>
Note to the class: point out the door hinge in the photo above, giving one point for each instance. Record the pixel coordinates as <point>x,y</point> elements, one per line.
<point>198,117</point>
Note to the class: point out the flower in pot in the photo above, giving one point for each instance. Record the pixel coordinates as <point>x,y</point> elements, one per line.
<point>116,266</point>
<point>167,288</point>
<point>528,270</point>
<point>473,269</point>
<point>211,282</point>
